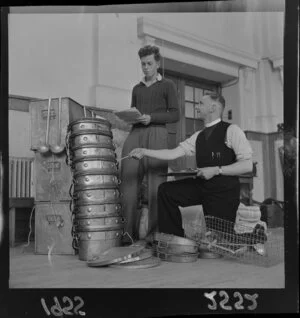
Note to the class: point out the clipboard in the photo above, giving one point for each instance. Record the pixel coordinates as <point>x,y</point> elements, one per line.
<point>130,115</point>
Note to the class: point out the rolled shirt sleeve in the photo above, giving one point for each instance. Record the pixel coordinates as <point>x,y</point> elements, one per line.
<point>237,140</point>
<point>189,145</point>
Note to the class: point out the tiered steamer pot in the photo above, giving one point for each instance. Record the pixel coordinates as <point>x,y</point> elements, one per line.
<point>98,221</point>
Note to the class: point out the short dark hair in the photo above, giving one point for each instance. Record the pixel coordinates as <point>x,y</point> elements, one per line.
<point>216,97</point>
<point>149,50</point>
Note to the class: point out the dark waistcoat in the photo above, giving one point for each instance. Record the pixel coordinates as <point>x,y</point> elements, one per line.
<point>211,151</point>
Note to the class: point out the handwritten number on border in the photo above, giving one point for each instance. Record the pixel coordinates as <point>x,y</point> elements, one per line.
<point>68,305</point>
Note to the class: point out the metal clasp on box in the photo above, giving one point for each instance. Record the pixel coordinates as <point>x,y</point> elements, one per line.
<point>57,219</point>
<point>44,113</point>
<point>53,166</point>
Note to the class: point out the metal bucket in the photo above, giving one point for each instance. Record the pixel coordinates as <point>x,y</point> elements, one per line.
<point>91,244</point>
<point>99,224</point>
<point>89,124</point>
<point>99,196</point>
<point>97,210</point>
<point>81,152</point>
<point>83,138</point>
<point>87,179</point>
<point>101,166</point>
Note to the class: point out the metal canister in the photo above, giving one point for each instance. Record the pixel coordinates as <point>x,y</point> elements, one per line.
<point>94,210</point>
<point>99,196</point>
<point>87,179</point>
<point>99,224</point>
<point>101,139</point>
<point>87,151</point>
<point>91,244</point>
<point>94,164</point>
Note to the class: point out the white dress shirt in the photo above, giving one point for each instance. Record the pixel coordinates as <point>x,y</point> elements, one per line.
<point>235,139</point>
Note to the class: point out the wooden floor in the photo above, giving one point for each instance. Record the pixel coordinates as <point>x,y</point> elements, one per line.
<point>28,270</point>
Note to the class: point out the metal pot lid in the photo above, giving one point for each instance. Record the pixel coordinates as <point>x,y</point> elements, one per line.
<point>115,255</point>
<point>91,132</point>
<point>90,120</point>
<point>166,247</point>
<point>144,263</point>
<point>145,253</point>
<point>173,239</point>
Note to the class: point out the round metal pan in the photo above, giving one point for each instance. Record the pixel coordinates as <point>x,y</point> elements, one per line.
<point>173,239</point>
<point>99,224</point>
<point>82,139</point>
<point>86,151</point>
<point>166,247</point>
<point>206,253</point>
<point>177,258</point>
<point>89,124</point>
<point>92,210</point>
<point>144,263</point>
<point>115,255</point>
<point>86,179</point>
<point>99,196</point>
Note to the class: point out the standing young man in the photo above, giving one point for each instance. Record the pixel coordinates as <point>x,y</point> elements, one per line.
<point>156,98</point>
<point>222,153</point>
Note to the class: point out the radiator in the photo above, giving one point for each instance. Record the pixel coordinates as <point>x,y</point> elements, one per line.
<point>20,170</point>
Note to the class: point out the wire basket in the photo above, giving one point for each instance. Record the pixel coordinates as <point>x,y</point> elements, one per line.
<point>245,244</point>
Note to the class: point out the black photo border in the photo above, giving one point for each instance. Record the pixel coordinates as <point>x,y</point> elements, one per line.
<point>165,302</point>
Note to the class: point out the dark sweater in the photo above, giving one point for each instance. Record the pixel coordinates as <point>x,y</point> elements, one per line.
<point>158,100</point>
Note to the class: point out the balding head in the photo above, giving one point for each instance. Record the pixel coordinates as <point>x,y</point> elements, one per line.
<point>211,107</point>
<point>218,98</point>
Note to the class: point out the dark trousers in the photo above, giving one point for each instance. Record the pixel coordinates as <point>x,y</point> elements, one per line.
<point>133,172</point>
<point>219,202</point>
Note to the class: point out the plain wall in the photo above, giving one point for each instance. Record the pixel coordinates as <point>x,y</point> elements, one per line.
<point>51,55</point>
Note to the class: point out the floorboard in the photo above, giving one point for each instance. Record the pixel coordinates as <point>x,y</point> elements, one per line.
<point>28,270</point>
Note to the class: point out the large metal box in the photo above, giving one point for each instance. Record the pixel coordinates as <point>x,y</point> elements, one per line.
<point>52,177</point>
<point>53,225</point>
<point>70,111</point>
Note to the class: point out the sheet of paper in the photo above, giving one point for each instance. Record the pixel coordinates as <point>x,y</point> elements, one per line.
<point>129,115</point>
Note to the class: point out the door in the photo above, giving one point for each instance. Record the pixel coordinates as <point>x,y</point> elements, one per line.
<point>189,91</point>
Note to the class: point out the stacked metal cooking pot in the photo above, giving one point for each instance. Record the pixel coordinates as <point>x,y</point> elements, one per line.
<point>96,209</point>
